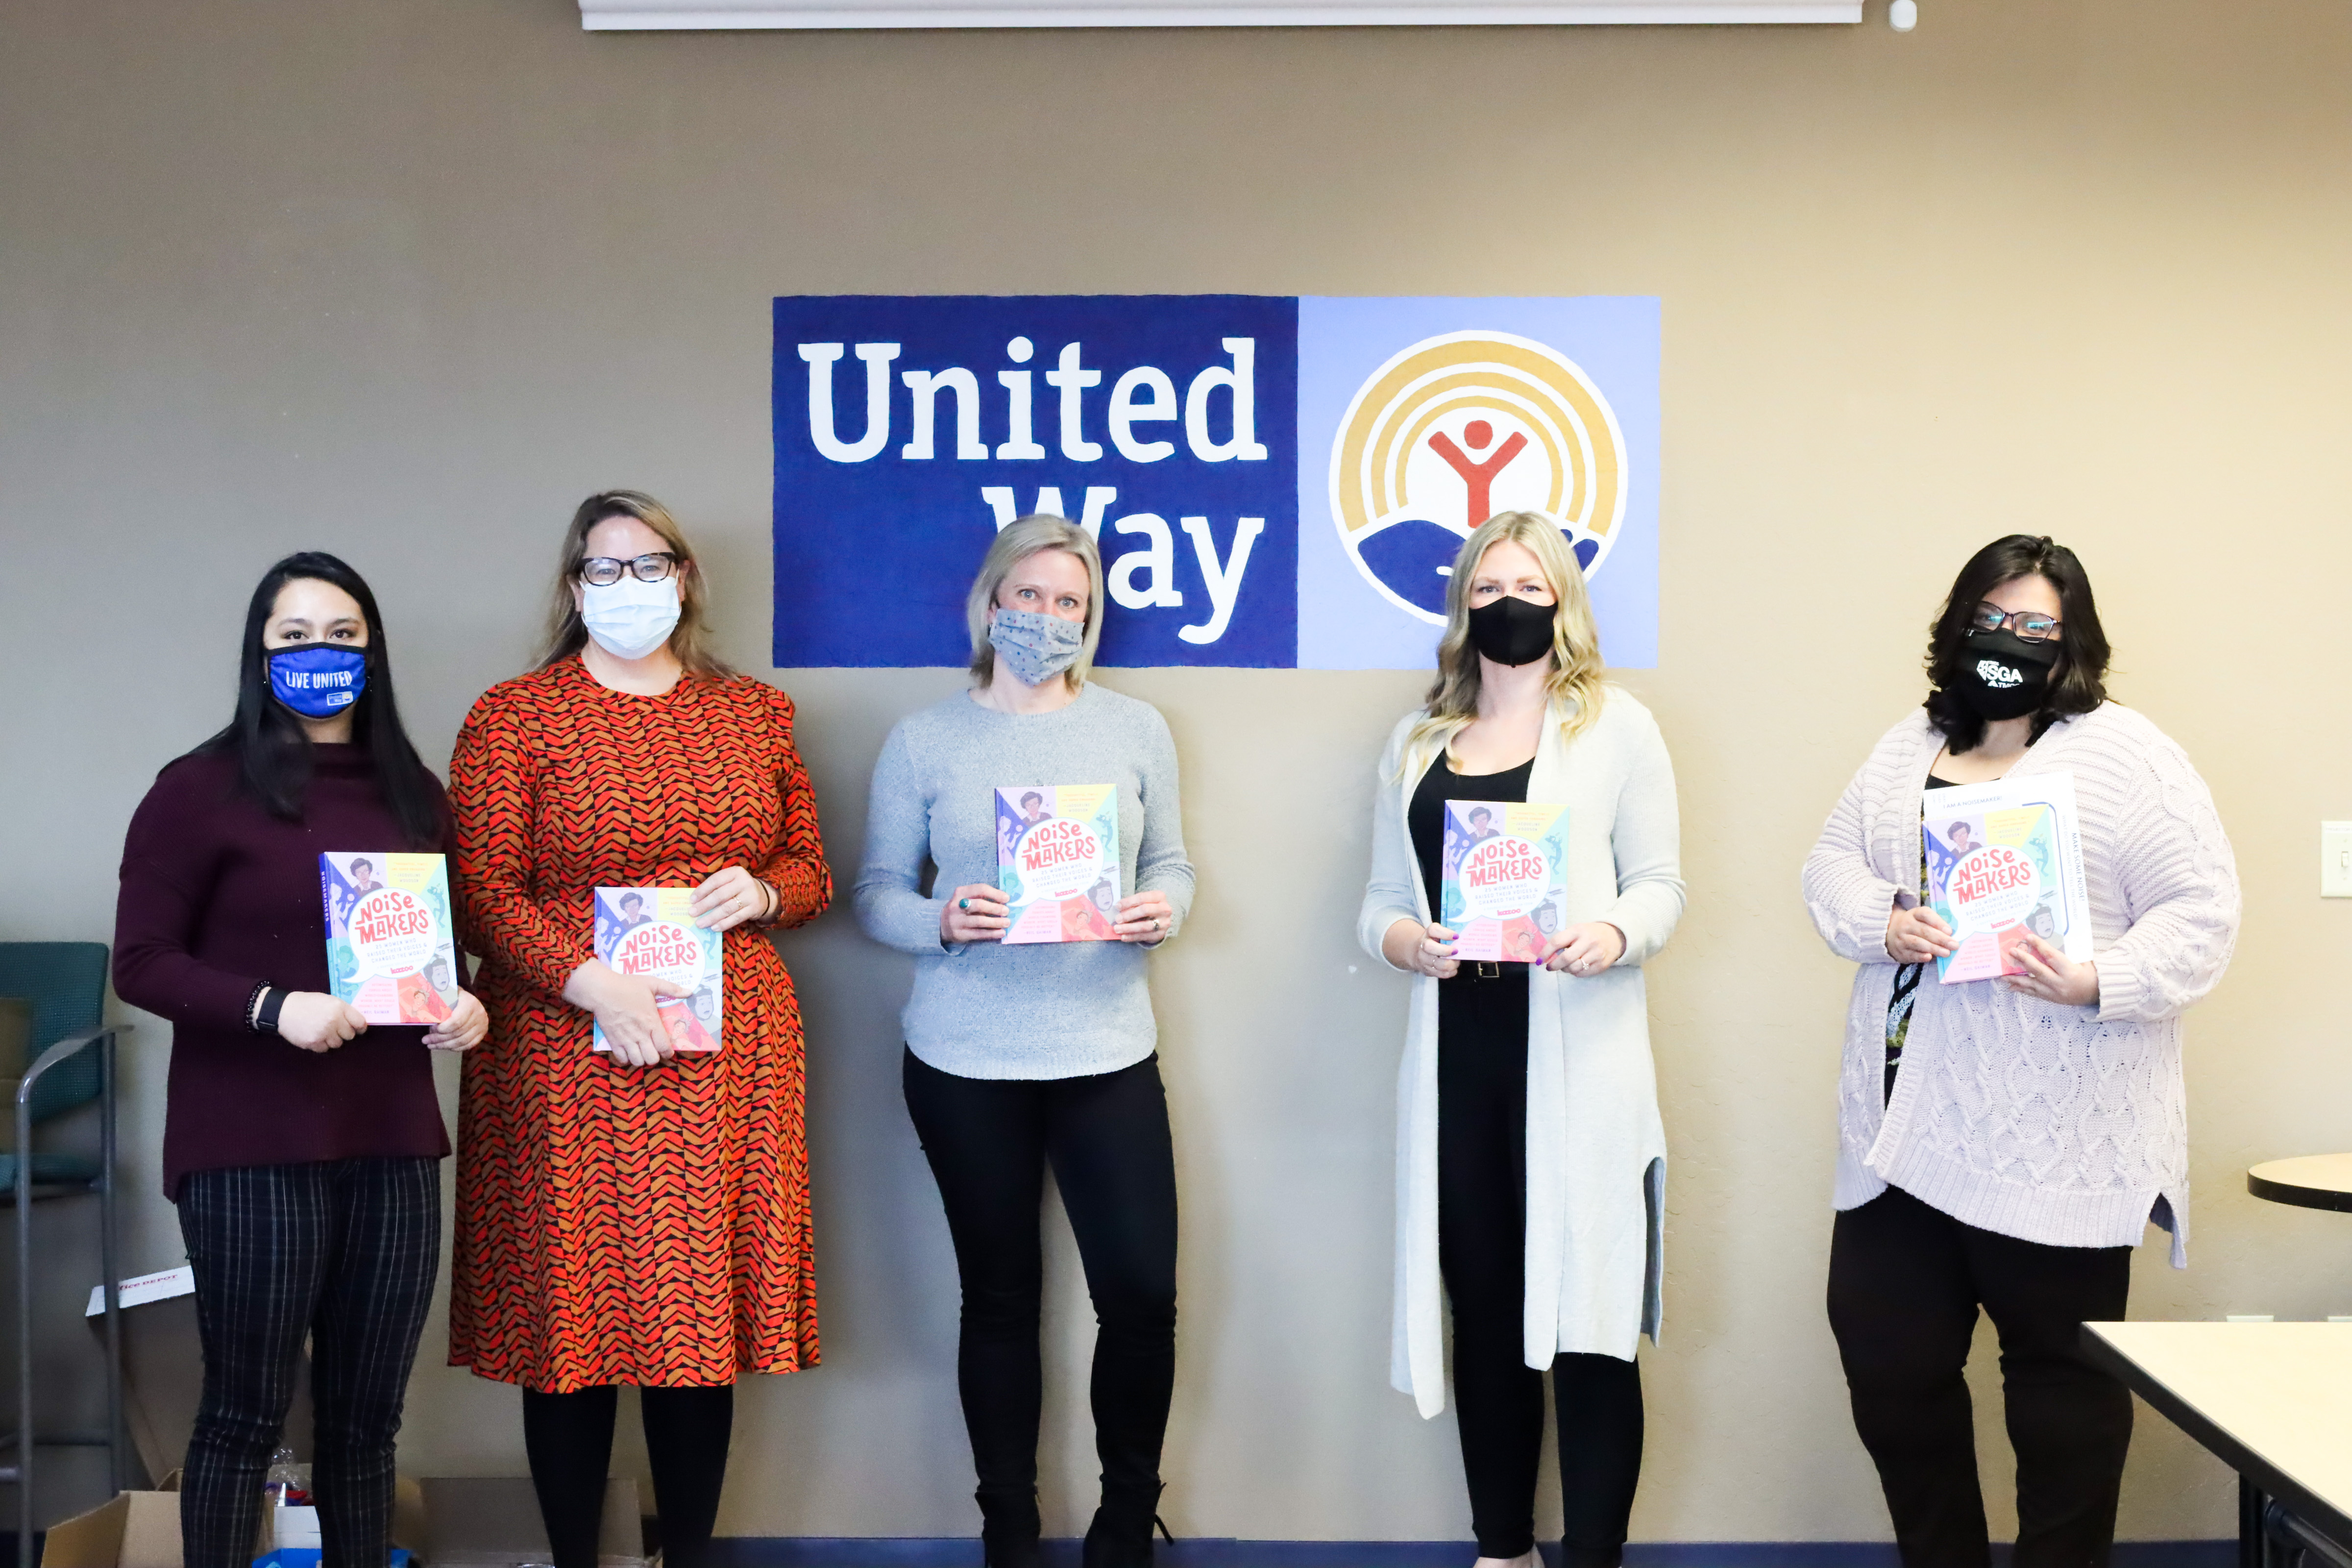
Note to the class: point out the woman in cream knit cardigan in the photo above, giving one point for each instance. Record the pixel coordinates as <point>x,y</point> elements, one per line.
<point>2003,1144</point>
<point>1531,1161</point>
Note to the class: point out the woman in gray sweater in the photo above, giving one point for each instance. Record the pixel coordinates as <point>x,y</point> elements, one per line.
<point>1030,1053</point>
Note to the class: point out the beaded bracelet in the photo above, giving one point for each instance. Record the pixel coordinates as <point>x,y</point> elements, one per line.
<point>253,1007</point>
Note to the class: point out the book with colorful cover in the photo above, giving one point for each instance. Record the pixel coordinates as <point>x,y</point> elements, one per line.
<point>651,931</point>
<point>2005,858</point>
<point>1505,893</point>
<point>392,950</point>
<point>1058,861</point>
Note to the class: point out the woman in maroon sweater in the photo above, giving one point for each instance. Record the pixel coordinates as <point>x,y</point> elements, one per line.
<point>303,1146</point>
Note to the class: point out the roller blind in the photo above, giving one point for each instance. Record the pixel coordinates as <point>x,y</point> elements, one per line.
<point>708,14</point>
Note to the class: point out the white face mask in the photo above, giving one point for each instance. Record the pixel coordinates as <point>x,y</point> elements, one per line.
<point>629,619</point>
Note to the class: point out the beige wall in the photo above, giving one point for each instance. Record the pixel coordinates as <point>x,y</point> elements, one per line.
<point>405,280</point>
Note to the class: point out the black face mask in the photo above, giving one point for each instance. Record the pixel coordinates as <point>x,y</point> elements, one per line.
<point>2002,675</point>
<point>1513,631</point>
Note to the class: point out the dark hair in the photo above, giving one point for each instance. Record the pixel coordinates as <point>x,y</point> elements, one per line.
<point>272,749</point>
<point>2077,683</point>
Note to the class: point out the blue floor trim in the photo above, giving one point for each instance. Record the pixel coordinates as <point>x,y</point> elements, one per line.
<point>809,1551</point>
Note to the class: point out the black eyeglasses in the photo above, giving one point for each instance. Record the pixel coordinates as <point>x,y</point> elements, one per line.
<point>2027,625</point>
<point>604,571</point>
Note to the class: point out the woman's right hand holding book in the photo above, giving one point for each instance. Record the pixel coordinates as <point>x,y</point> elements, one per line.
<point>315,1021</point>
<point>1918,935</point>
<point>1425,950</point>
<point>977,912</point>
<point>627,1009</point>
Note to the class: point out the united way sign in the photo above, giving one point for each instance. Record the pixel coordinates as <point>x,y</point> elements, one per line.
<point>1275,482</point>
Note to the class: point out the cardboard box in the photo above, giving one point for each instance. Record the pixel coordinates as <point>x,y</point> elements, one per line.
<point>164,1369</point>
<point>447,1521</point>
<point>136,1529</point>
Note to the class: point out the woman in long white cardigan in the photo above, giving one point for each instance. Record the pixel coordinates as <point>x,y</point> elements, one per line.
<point>1534,1198</point>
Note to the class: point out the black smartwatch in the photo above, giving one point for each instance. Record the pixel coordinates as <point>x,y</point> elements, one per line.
<point>265,1018</point>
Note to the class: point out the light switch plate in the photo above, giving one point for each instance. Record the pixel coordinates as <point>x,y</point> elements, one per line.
<point>2335,860</point>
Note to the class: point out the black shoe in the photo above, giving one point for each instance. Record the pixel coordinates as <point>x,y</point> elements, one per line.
<point>1009,1528</point>
<point>1120,1536</point>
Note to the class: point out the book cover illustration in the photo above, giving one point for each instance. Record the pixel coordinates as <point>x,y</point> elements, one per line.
<point>1058,861</point>
<point>391,950</point>
<point>2005,858</point>
<point>651,931</point>
<point>1505,893</point>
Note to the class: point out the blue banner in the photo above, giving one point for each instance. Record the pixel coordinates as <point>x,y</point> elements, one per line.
<point>1274,482</point>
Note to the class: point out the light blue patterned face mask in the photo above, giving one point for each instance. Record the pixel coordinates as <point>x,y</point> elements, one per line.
<point>1033,646</point>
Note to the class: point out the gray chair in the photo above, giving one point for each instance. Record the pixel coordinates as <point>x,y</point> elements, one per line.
<point>70,1062</point>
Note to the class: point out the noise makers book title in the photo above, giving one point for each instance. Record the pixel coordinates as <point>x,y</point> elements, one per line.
<point>1058,861</point>
<point>1506,883</point>
<point>2005,859</point>
<point>390,950</point>
<point>651,931</point>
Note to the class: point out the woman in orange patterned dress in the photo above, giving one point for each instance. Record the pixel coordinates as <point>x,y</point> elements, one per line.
<point>639,1216</point>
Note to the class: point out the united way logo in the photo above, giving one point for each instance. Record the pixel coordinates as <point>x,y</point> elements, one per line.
<point>1274,482</point>
<point>1460,427</point>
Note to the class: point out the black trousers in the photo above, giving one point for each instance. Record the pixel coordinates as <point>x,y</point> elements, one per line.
<point>989,1142</point>
<point>1905,1281</point>
<point>343,1252</point>
<point>568,1438</point>
<point>1482,1182</point>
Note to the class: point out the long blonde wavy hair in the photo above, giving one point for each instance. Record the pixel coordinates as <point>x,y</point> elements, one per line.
<point>1576,673</point>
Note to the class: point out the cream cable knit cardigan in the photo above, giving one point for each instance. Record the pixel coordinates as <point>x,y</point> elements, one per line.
<point>1596,1149</point>
<point>2060,1125</point>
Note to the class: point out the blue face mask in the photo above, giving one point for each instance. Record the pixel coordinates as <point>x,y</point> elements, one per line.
<point>318,679</point>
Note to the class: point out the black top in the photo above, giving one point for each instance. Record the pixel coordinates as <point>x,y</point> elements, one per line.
<point>1906,978</point>
<point>1425,816</point>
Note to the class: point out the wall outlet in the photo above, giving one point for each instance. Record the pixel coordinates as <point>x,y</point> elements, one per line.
<point>2335,860</point>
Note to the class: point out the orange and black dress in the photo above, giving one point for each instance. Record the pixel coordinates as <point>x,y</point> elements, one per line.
<point>647,1225</point>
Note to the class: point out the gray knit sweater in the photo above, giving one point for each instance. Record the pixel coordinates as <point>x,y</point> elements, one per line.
<point>2060,1125</point>
<point>1045,1010</point>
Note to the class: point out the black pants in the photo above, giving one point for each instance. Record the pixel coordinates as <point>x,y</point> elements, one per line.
<point>1905,1281</point>
<point>568,1438</point>
<point>1105,1136</point>
<point>1482,1120</point>
<point>345,1252</point>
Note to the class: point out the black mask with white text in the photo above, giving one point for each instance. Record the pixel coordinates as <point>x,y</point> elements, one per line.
<point>2002,675</point>
<point>1512,630</point>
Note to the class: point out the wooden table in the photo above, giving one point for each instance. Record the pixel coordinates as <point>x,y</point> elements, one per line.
<point>2311,1182</point>
<point>2273,1401</point>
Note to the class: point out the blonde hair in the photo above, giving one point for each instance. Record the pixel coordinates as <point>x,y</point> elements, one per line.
<point>1575,683</point>
<point>1015,543</point>
<point>566,635</point>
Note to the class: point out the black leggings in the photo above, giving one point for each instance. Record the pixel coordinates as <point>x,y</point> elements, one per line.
<point>568,1438</point>
<point>1482,1120</point>
<point>1905,1281</point>
<point>989,1142</point>
<point>343,1251</point>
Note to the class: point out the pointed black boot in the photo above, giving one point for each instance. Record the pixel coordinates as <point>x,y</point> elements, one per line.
<point>1009,1528</point>
<point>1120,1536</point>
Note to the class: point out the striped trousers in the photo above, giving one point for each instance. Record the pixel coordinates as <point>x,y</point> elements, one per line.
<point>342,1252</point>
